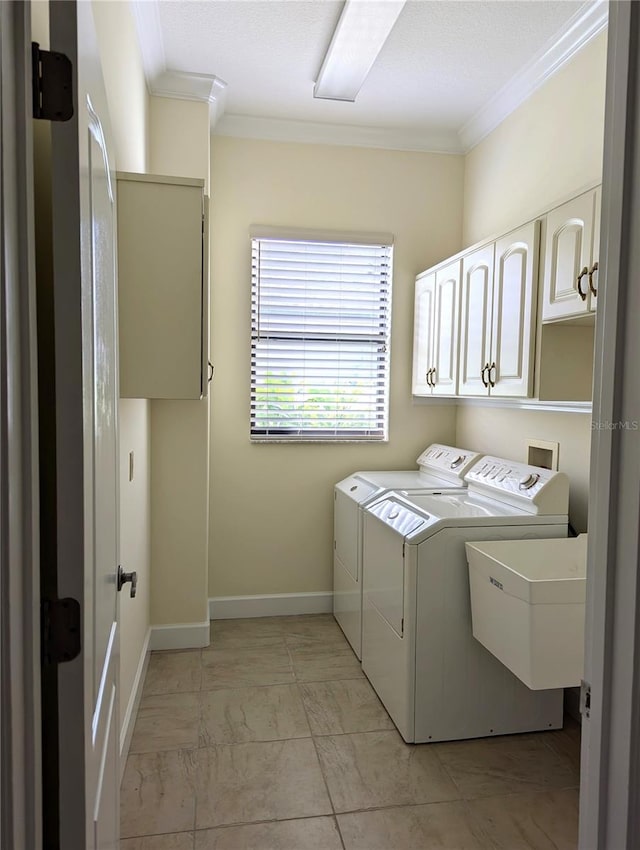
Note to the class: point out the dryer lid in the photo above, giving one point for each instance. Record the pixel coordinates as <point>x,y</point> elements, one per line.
<point>401,518</point>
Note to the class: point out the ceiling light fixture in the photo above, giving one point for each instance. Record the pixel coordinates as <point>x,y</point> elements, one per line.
<point>362,29</point>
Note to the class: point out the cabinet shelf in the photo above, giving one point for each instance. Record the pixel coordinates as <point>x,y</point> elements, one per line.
<point>512,403</point>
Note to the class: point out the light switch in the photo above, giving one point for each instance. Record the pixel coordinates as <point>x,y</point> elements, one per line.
<point>130,466</point>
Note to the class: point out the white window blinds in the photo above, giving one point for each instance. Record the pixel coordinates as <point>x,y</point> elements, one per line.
<point>320,325</point>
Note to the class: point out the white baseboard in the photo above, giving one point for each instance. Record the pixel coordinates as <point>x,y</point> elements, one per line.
<point>270,605</point>
<point>129,719</point>
<point>180,636</point>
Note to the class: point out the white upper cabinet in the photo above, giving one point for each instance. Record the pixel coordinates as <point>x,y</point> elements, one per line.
<point>444,377</point>
<point>514,300</point>
<point>163,287</point>
<point>571,258</point>
<point>423,333</point>
<point>498,316</point>
<point>475,327</point>
<point>435,341</point>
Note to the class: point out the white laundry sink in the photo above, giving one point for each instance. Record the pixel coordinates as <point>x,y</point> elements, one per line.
<point>528,605</point>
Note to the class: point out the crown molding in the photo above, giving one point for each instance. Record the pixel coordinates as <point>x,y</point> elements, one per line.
<point>308,132</point>
<point>146,14</point>
<point>587,23</point>
<point>165,82</point>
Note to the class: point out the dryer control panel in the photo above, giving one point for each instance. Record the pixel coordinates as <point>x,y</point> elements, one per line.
<point>447,462</point>
<point>537,490</point>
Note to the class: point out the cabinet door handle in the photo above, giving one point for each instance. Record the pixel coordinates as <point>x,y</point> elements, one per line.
<point>495,374</point>
<point>583,295</point>
<point>426,377</point>
<point>434,380</point>
<point>211,371</point>
<point>594,268</point>
<point>482,371</point>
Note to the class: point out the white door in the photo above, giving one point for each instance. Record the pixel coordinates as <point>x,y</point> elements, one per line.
<point>567,255</point>
<point>423,333</point>
<point>514,314</point>
<point>444,377</point>
<point>610,781</point>
<point>86,392</point>
<point>20,755</point>
<point>475,321</point>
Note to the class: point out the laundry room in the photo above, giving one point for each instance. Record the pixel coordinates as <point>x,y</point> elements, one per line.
<point>266,688</point>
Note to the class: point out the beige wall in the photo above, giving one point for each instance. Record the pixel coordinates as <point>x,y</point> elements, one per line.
<point>180,138</point>
<point>543,152</point>
<point>546,150</point>
<point>272,505</point>
<point>179,429</point>
<point>129,113</point>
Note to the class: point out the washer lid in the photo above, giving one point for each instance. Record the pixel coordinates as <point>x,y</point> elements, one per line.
<point>454,510</point>
<point>458,505</point>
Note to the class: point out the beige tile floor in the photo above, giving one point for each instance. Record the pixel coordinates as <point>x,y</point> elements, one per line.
<point>272,739</point>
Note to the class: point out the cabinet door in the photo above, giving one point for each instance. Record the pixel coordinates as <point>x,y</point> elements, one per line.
<point>161,287</point>
<point>595,253</point>
<point>514,299</point>
<point>423,332</point>
<point>567,253</point>
<point>475,325</point>
<point>445,330</point>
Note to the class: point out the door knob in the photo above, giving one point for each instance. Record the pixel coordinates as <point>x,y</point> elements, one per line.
<point>123,578</point>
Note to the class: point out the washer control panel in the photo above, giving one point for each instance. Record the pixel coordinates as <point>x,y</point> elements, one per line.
<point>538,490</point>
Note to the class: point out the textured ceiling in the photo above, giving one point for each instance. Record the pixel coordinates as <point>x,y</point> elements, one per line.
<point>442,62</point>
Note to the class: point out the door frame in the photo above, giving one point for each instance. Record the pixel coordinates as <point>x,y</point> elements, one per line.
<point>610,777</point>
<point>20,756</point>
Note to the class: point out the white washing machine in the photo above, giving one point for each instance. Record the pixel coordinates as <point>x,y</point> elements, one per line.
<point>441,469</point>
<point>418,651</point>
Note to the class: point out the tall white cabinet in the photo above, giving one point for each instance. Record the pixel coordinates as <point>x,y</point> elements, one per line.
<point>436,321</point>
<point>163,286</point>
<point>497,332</point>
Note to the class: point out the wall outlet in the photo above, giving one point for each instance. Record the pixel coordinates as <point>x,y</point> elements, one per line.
<point>130,466</point>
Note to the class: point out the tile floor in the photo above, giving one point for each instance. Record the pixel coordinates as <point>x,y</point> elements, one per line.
<point>272,739</point>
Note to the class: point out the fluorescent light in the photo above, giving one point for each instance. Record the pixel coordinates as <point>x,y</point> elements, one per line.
<point>363,28</point>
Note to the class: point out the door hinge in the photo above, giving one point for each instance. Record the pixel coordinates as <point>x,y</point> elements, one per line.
<point>585,699</point>
<point>60,630</point>
<point>52,84</point>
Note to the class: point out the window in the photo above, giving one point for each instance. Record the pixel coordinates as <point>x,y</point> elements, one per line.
<point>320,325</point>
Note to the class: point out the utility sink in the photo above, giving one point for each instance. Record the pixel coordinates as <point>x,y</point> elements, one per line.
<point>528,605</point>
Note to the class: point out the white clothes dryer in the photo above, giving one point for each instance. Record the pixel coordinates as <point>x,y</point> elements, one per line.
<point>441,469</point>
<point>418,651</point>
